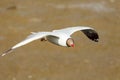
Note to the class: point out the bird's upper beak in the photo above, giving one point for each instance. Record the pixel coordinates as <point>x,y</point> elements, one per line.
<point>72,45</point>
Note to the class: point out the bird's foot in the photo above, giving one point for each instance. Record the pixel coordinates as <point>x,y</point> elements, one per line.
<point>43,39</point>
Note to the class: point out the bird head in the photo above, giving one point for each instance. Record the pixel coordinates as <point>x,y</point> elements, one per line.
<point>70,42</point>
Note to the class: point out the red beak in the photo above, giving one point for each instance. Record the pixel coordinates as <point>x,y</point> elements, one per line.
<point>72,45</point>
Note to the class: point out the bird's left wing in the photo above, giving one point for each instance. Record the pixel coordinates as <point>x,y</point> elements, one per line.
<point>30,38</point>
<point>88,31</point>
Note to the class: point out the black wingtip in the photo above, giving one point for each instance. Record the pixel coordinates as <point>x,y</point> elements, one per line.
<point>91,34</point>
<point>6,52</point>
<point>96,40</point>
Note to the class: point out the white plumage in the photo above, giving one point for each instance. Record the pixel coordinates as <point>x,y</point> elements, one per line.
<point>61,37</point>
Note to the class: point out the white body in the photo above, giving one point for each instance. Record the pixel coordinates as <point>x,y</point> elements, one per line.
<point>59,40</point>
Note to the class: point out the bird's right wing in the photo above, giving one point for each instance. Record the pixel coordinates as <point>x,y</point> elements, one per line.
<point>30,38</point>
<point>88,31</point>
<point>71,30</point>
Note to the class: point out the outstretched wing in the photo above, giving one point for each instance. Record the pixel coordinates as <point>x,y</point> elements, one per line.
<point>88,31</point>
<point>30,38</point>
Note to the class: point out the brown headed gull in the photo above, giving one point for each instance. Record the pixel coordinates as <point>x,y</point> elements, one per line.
<point>61,37</point>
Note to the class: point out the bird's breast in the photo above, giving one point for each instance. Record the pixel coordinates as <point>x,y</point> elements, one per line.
<point>53,39</point>
<point>61,40</point>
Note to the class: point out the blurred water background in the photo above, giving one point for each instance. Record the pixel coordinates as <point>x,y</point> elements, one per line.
<point>45,61</point>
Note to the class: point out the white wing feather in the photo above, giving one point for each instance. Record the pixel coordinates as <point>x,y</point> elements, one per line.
<point>71,30</point>
<point>31,38</point>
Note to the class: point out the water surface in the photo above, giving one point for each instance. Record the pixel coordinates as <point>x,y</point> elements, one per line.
<point>45,61</point>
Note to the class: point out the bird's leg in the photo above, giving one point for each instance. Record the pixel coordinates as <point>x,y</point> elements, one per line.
<point>43,39</point>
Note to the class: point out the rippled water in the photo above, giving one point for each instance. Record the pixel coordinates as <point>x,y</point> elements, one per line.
<point>45,61</point>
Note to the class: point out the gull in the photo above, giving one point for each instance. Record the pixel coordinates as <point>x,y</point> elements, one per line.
<point>61,37</point>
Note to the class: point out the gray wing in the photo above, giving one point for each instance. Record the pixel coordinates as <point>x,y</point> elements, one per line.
<point>88,31</point>
<point>29,39</point>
